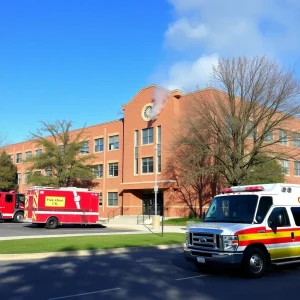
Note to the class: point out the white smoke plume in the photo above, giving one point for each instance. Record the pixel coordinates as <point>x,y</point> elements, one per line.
<point>159,99</point>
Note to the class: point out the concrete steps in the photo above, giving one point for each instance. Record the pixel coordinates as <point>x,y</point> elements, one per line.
<point>126,220</point>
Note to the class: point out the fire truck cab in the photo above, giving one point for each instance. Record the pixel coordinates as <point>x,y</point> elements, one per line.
<point>12,206</point>
<point>250,227</point>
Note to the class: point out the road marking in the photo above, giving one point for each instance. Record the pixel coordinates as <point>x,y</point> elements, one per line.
<point>84,294</point>
<point>191,277</point>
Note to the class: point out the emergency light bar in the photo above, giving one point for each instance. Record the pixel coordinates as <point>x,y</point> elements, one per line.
<point>254,188</point>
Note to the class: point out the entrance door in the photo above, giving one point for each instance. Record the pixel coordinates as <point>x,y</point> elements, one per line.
<point>148,199</point>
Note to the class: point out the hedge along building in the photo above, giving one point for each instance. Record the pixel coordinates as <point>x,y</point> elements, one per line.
<point>131,154</point>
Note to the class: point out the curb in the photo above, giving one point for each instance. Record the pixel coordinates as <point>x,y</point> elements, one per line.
<point>80,253</point>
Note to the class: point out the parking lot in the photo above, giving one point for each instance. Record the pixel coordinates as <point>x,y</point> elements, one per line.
<point>10,229</point>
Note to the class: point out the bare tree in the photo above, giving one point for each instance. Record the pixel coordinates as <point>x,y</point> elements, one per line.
<point>252,100</point>
<point>194,173</point>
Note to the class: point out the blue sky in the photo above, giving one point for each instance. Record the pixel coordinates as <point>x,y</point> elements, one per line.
<point>80,60</point>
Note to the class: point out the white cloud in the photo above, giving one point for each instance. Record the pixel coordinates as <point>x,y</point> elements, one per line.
<point>182,30</point>
<point>187,75</point>
<point>202,28</point>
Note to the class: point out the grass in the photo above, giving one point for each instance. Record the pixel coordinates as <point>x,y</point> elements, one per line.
<point>180,221</point>
<point>87,243</point>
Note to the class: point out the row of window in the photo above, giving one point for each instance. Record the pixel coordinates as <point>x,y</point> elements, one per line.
<point>285,164</point>
<point>113,144</point>
<point>269,136</point>
<point>113,168</point>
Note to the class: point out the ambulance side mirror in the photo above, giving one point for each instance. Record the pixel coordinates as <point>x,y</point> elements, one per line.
<point>277,221</point>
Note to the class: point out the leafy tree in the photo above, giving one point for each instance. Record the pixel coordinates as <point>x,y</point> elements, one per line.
<point>252,99</point>
<point>8,172</point>
<point>60,159</point>
<point>265,171</point>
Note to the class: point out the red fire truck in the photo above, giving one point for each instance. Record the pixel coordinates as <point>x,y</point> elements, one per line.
<point>49,207</point>
<point>12,206</point>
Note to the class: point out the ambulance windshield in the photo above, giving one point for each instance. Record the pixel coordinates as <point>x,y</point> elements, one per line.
<point>232,209</point>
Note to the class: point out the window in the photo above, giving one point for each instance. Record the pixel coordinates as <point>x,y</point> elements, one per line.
<point>112,199</point>
<point>48,172</point>
<point>296,140</point>
<point>285,167</point>
<point>26,176</point>
<point>8,198</point>
<point>136,152</point>
<point>28,154</point>
<point>85,147</point>
<point>296,215</point>
<point>297,168</point>
<point>279,211</point>
<point>228,129</point>
<point>158,134</point>
<point>99,144</point>
<point>264,205</point>
<point>20,199</point>
<point>18,178</point>
<point>113,142</point>
<point>268,137</point>
<point>11,157</point>
<point>38,152</point>
<point>113,169</point>
<point>147,136</point>
<point>98,171</point>
<point>158,157</point>
<point>61,149</point>
<point>19,158</point>
<point>283,137</point>
<point>147,165</point>
<point>251,130</point>
<point>100,199</point>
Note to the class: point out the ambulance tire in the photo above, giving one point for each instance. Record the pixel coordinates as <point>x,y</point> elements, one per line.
<point>202,268</point>
<point>254,262</point>
<point>51,223</point>
<point>18,217</point>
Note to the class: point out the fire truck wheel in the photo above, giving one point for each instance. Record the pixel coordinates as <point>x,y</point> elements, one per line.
<point>18,217</point>
<point>52,223</point>
<point>254,262</point>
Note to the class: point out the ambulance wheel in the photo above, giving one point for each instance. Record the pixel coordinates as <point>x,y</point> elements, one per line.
<point>18,217</point>
<point>52,223</point>
<point>254,262</point>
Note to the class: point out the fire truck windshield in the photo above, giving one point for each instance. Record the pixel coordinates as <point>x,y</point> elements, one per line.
<point>232,209</point>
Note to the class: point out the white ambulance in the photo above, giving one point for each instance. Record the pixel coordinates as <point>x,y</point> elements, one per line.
<point>252,227</point>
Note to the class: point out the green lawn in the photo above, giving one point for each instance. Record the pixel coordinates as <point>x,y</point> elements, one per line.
<point>180,221</point>
<point>87,243</point>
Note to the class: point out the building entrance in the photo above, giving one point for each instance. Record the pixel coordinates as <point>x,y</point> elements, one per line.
<point>149,201</point>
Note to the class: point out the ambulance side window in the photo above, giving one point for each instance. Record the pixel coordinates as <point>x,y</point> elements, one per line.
<point>279,214</point>
<point>296,215</point>
<point>9,198</point>
<point>264,205</point>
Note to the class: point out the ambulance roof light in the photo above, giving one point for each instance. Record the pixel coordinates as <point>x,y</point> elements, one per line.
<point>253,188</point>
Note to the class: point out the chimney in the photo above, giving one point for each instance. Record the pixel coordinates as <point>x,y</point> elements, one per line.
<point>176,93</point>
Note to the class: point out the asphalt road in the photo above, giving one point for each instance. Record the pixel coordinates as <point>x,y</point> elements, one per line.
<point>27,229</point>
<point>140,274</point>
